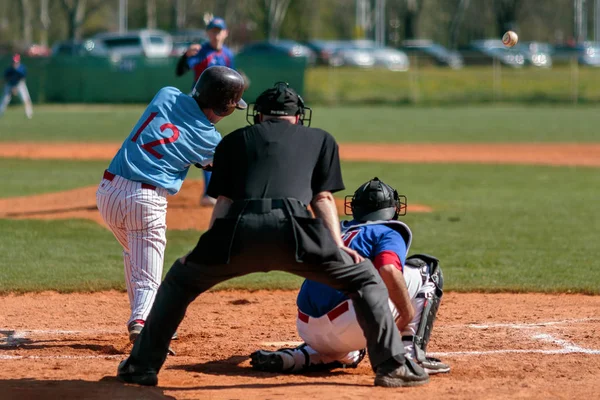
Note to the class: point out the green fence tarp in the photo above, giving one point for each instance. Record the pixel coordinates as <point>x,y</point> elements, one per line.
<point>68,79</point>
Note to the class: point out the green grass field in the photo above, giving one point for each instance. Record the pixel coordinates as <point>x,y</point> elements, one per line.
<point>348,124</point>
<point>495,228</point>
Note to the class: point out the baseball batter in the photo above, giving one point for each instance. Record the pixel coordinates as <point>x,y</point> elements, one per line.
<point>326,317</point>
<point>175,131</point>
<point>14,77</point>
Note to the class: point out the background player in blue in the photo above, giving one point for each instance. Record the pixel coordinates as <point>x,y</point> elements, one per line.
<point>326,318</point>
<point>201,56</point>
<point>175,131</point>
<point>14,83</point>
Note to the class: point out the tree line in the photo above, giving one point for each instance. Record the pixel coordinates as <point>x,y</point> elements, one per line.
<point>450,22</point>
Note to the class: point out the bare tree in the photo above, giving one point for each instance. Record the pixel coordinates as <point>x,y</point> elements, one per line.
<point>26,14</point>
<point>411,16</point>
<point>275,11</point>
<point>506,14</point>
<point>44,21</point>
<point>151,14</point>
<point>77,12</point>
<point>457,21</point>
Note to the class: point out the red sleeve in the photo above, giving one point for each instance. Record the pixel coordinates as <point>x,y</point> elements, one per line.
<point>387,257</point>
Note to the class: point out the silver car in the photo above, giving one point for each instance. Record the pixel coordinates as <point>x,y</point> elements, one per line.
<point>392,59</point>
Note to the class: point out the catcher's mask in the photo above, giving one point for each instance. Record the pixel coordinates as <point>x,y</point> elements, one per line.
<point>280,100</point>
<point>375,201</point>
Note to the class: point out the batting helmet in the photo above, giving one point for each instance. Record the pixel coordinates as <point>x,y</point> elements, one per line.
<point>220,89</point>
<point>375,201</point>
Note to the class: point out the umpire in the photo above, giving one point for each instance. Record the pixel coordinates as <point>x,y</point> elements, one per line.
<point>264,176</point>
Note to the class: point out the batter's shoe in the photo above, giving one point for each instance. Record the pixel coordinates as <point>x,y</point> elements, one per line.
<point>135,328</point>
<point>434,366</point>
<point>389,374</point>
<point>127,373</point>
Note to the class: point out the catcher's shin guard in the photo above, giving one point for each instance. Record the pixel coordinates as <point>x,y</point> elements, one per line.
<point>432,303</point>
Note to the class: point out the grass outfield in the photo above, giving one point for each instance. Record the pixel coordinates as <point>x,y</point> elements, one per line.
<point>495,228</point>
<point>99,123</point>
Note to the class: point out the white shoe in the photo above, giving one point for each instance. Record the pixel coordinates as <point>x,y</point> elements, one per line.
<point>207,201</point>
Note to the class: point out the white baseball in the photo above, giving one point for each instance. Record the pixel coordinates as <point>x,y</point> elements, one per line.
<point>510,38</point>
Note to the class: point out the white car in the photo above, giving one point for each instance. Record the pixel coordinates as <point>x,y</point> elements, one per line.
<point>145,42</point>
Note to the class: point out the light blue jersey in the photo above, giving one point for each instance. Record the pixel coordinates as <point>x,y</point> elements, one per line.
<point>172,134</point>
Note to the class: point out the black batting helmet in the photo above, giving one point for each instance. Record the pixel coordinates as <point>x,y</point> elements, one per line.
<point>375,201</point>
<point>220,89</point>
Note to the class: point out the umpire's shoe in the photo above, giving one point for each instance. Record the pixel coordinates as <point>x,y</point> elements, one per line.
<point>127,373</point>
<point>389,374</point>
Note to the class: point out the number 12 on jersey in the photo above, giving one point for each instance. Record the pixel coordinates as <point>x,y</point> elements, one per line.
<point>149,147</point>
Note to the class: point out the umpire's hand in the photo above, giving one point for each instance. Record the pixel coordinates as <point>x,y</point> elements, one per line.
<point>353,253</point>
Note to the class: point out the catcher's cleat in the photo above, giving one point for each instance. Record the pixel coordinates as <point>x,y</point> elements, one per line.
<point>391,374</point>
<point>434,366</point>
<point>268,361</point>
<point>127,373</point>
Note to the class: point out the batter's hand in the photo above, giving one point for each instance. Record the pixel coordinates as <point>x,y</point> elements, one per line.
<point>193,50</point>
<point>357,258</point>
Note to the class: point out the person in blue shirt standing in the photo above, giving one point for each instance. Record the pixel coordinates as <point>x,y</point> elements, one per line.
<point>175,132</point>
<point>14,83</point>
<point>201,56</point>
<point>326,317</point>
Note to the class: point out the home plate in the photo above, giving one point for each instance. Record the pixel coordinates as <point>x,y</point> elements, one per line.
<point>281,344</point>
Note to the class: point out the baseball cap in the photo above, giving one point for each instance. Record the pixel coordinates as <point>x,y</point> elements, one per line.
<point>216,22</point>
<point>279,100</point>
<point>16,58</point>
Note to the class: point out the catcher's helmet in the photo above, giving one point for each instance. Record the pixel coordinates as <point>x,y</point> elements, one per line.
<point>375,201</point>
<point>280,100</point>
<point>220,89</point>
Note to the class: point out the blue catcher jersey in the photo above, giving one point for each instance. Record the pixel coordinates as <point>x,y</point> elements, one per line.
<point>172,134</point>
<point>368,239</point>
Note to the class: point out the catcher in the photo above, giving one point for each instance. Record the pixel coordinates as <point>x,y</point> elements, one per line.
<point>326,317</point>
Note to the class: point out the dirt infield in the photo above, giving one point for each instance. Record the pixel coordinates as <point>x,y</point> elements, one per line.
<point>573,154</point>
<point>526,346</point>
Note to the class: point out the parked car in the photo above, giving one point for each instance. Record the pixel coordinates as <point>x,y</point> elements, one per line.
<point>390,58</point>
<point>79,48</point>
<point>183,39</point>
<point>286,47</point>
<point>493,49</point>
<point>353,57</point>
<point>536,53</point>
<point>145,42</point>
<point>587,53</point>
<point>324,50</point>
<point>429,51</point>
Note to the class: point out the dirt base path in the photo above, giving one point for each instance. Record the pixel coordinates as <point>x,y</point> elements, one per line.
<point>581,154</point>
<point>532,346</point>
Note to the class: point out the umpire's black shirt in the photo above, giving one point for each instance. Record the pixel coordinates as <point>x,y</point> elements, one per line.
<point>276,159</point>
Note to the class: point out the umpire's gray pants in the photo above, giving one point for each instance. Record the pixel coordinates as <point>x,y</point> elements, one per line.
<point>263,244</point>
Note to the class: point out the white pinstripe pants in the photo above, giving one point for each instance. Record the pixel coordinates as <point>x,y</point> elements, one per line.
<point>137,218</point>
